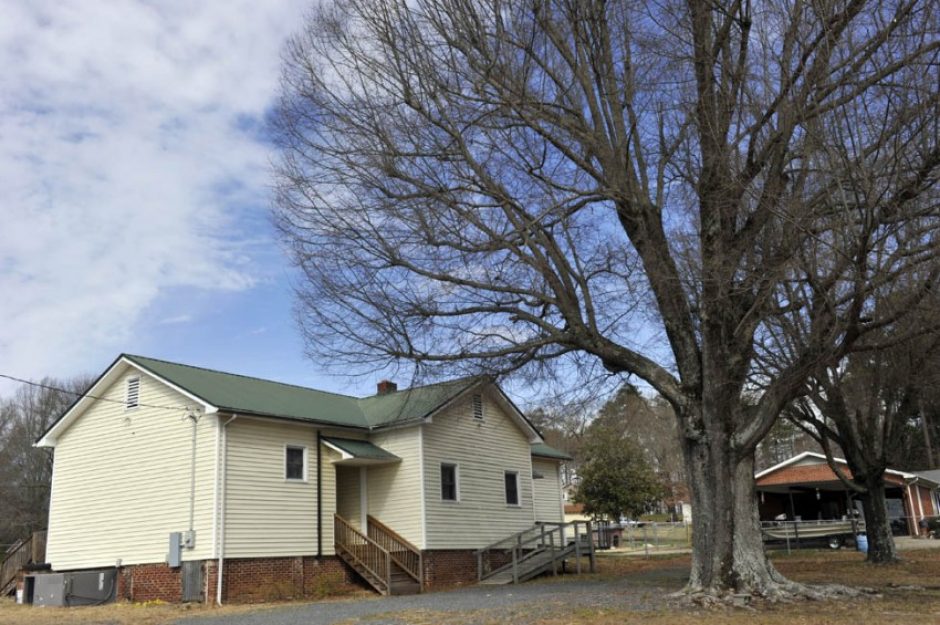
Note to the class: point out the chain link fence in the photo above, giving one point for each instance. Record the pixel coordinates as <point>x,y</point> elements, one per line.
<point>646,537</point>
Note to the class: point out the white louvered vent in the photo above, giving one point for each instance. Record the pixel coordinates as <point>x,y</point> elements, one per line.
<point>132,396</point>
<point>478,407</point>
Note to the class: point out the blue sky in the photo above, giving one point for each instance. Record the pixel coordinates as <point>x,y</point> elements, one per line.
<point>135,178</point>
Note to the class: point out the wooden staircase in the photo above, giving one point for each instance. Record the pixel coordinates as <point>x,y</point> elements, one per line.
<point>27,551</point>
<point>543,548</point>
<point>389,563</point>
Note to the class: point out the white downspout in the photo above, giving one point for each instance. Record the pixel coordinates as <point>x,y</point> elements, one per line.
<point>421,488</point>
<point>215,499</point>
<point>215,489</point>
<point>364,499</point>
<point>221,531</point>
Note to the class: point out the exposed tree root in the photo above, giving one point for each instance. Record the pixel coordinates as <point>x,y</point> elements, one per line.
<point>774,592</point>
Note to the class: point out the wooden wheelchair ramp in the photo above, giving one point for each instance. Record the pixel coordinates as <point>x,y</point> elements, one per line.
<point>543,548</point>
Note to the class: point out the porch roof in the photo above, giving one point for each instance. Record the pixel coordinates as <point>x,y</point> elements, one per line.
<point>546,451</point>
<point>359,452</point>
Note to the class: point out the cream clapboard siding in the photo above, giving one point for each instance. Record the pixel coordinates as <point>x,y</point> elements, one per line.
<point>348,496</point>
<point>122,481</point>
<point>265,514</point>
<point>394,490</point>
<point>547,491</point>
<point>483,452</point>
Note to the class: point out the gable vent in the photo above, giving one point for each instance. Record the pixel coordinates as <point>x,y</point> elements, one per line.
<point>132,396</point>
<point>478,407</point>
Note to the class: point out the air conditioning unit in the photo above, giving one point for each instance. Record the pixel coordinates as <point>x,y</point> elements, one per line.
<point>74,588</point>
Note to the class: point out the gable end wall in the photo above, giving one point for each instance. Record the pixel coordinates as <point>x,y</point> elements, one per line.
<point>483,452</point>
<point>122,480</point>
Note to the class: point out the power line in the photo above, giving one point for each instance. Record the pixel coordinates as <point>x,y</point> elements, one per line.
<point>98,397</point>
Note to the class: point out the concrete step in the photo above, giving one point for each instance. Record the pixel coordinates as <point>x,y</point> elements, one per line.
<point>406,588</point>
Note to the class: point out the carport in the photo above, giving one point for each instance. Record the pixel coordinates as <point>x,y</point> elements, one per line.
<point>805,488</point>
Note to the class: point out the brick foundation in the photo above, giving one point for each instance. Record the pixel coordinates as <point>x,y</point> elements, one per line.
<point>271,579</point>
<point>247,580</point>
<point>449,568</point>
<point>149,582</point>
<point>251,580</point>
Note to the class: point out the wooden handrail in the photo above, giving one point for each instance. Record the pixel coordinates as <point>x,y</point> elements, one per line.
<point>544,537</point>
<point>38,550</point>
<point>403,553</point>
<point>365,551</point>
<point>512,538</point>
<point>24,551</point>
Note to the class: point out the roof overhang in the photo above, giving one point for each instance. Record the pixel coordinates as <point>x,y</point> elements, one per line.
<point>517,415</point>
<point>821,459</point>
<point>114,372</point>
<point>358,453</point>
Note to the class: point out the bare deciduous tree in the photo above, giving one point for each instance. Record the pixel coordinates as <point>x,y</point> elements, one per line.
<point>26,471</point>
<point>507,185</point>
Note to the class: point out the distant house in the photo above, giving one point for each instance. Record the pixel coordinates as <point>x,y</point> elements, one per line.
<point>806,488</point>
<point>199,484</point>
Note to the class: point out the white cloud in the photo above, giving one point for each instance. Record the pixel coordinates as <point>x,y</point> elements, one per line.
<point>175,320</point>
<point>128,164</point>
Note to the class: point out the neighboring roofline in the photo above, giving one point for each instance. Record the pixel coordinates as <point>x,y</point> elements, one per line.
<point>812,454</point>
<point>918,476</point>
<point>49,437</point>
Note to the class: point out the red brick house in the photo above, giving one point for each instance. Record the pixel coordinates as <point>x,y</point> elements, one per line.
<point>806,488</point>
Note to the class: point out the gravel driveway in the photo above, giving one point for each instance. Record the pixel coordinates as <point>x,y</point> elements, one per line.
<point>469,606</point>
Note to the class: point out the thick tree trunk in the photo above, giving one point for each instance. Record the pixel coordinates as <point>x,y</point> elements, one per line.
<point>728,553</point>
<point>881,549</point>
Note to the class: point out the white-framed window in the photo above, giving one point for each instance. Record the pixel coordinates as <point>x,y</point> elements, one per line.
<point>511,481</point>
<point>132,393</point>
<point>295,463</point>
<point>450,482</point>
<point>478,407</point>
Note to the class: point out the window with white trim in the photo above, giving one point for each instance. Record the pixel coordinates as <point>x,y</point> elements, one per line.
<point>295,463</point>
<point>511,479</point>
<point>449,487</point>
<point>132,393</point>
<point>478,407</point>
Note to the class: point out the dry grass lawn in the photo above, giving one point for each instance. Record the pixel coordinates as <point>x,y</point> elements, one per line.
<point>909,595</point>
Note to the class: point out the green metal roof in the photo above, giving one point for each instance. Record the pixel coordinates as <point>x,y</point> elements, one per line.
<point>242,394</point>
<point>546,451</point>
<point>412,404</point>
<point>360,449</point>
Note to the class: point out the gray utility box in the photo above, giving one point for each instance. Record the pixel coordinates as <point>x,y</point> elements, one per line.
<point>75,588</point>
<point>49,589</point>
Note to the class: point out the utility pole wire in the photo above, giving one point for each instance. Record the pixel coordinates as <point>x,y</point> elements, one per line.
<point>98,397</point>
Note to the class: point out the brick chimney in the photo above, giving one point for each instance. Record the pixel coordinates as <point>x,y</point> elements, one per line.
<point>387,386</point>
